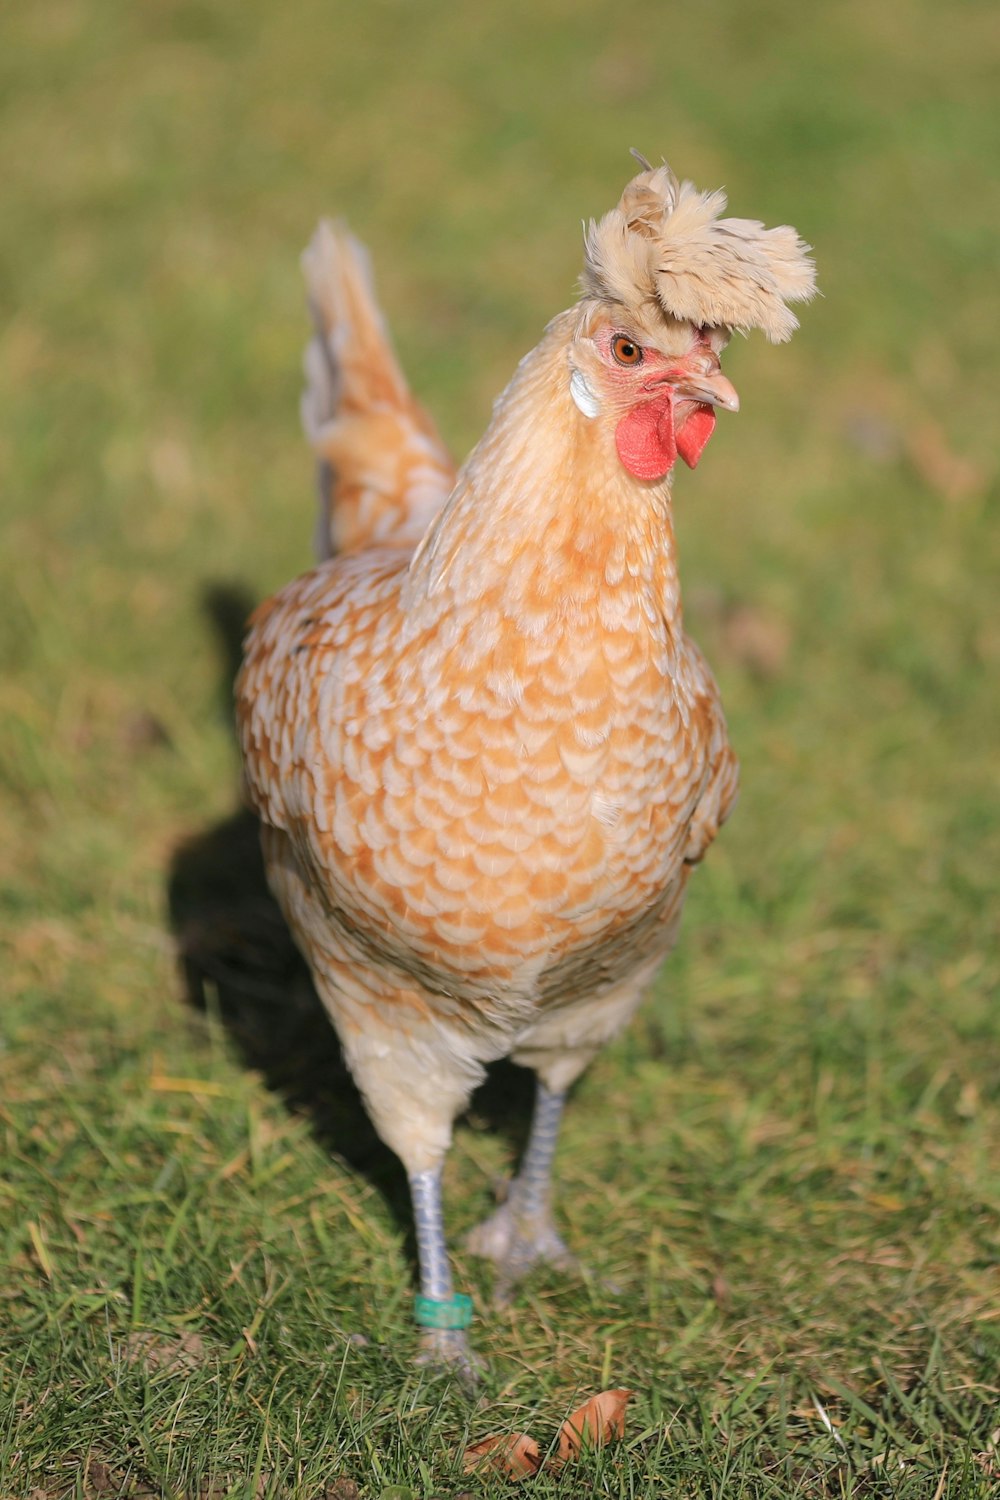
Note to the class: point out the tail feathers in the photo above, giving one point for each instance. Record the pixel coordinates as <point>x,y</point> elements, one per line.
<point>383,471</point>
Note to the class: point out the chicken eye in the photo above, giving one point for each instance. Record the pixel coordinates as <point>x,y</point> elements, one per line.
<point>626,351</point>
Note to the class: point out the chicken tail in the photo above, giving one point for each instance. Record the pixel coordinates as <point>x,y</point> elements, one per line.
<point>382,470</point>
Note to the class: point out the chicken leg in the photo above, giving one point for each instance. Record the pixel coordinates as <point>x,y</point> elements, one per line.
<point>521,1232</point>
<point>442,1315</point>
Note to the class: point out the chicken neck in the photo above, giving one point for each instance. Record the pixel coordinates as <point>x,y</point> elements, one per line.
<point>545,521</point>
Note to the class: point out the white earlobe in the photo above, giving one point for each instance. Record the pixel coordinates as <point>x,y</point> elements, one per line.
<point>583,395</point>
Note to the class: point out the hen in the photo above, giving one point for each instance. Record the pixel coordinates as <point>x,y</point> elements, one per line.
<point>484,754</point>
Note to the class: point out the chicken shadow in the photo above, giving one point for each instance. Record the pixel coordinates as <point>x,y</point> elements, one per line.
<point>239,963</point>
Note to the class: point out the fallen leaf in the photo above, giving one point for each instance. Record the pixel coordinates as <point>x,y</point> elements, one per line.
<point>758,640</point>
<point>516,1456</point>
<point>950,474</point>
<point>179,1355</point>
<point>721,1290</point>
<point>593,1424</point>
<point>99,1479</point>
<point>141,730</point>
<point>341,1489</point>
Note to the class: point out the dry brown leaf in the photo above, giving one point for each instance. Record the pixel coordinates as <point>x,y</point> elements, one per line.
<point>99,1480</point>
<point>341,1489</point>
<point>721,1290</point>
<point>758,640</point>
<point>515,1455</point>
<point>595,1423</point>
<point>951,475</point>
<point>180,1354</point>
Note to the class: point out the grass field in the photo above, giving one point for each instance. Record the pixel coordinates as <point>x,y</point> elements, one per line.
<point>790,1166</point>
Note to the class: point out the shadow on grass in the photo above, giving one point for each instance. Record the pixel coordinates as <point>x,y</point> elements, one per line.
<point>239,961</point>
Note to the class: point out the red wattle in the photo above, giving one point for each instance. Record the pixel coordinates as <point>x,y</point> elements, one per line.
<point>645,439</point>
<point>694,434</point>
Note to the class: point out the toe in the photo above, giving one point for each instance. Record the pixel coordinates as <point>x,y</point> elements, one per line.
<point>447,1351</point>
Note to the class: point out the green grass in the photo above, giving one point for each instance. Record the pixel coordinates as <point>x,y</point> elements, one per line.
<point>789,1165</point>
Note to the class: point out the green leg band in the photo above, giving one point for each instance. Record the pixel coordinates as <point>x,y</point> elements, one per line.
<point>456,1312</point>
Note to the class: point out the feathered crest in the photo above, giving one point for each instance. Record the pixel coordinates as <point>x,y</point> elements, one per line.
<point>666,243</point>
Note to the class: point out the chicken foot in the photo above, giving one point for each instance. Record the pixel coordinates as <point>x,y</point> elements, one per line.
<point>522,1232</point>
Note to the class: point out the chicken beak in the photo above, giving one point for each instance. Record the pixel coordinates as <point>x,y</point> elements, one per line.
<point>713,390</point>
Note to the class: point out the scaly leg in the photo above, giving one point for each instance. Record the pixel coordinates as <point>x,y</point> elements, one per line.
<point>521,1232</point>
<point>443,1316</point>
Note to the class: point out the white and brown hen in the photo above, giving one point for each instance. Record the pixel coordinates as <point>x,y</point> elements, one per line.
<point>484,754</point>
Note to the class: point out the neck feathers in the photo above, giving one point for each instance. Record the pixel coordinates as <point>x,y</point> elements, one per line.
<point>543,513</point>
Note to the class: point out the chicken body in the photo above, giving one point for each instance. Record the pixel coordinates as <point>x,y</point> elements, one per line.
<point>486,765</point>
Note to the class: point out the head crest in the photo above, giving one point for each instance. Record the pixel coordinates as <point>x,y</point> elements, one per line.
<point>666,243</point>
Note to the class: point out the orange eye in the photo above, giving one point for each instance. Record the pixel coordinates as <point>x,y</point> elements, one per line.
<point>626,351</point>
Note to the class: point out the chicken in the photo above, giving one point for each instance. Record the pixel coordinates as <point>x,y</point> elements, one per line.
<point>484,754</point>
